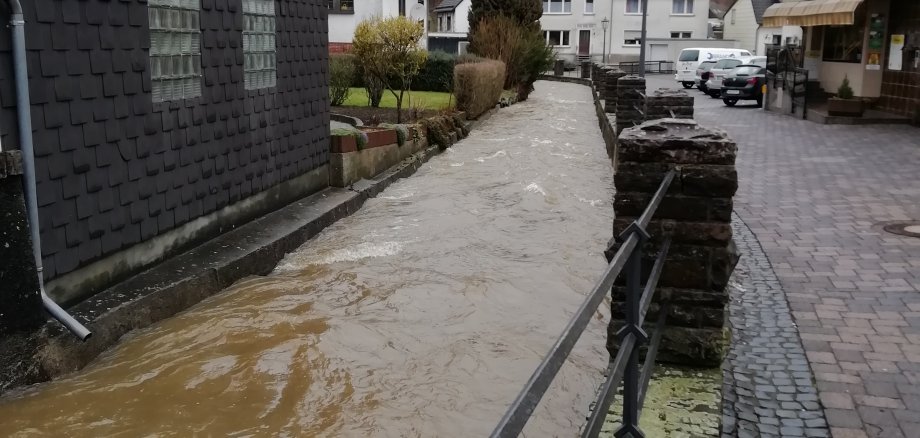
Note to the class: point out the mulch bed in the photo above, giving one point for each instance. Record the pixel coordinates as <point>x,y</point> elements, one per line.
<point>384,115</point>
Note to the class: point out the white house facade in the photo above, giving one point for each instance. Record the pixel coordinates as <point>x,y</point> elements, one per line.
<point>743,22</point>
<point>575,28</point>
<point>344,16</point>
<point>449,26</point>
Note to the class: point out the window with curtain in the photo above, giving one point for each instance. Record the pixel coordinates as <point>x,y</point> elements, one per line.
<point>557,6</point>
<point>175,49</point>
<point>682,7</point>
<point>633,6</point>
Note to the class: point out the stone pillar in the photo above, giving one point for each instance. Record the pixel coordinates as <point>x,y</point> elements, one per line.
<point>586,70</point>
<point>630,102</point>
<point>610,90</point>
<point>20,302</point>
<point>559,67</point>
<point>664,103</point>
<point>599,78</point>
<point>696,213</point>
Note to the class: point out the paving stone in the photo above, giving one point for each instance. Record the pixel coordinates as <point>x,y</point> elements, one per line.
<point>814,196</point>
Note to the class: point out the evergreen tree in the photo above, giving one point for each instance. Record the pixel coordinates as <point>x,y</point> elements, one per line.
<point>525,12</point>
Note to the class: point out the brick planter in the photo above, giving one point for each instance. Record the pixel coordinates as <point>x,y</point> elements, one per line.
<point>377,137</point>
<point>341,144</point>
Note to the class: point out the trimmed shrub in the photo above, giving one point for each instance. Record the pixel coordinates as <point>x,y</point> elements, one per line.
<point>341,76</point>
<point>402,132</point>
<point>478,86</point>
<point>437,74</point>
<point>469,58</point>
<point>522,48</point>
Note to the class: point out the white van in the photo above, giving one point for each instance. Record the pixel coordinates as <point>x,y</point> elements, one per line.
<point>690,59</point>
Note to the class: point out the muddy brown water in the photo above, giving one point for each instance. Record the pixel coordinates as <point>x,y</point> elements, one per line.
<point>421,315</point>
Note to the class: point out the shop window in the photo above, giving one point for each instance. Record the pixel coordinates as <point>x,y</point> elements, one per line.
<point>843,43</point>
<point>259,67</point>
<point>175,49</point>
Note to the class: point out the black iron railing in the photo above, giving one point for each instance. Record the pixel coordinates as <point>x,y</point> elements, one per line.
<point>625,365</point>
<point>651,67</point>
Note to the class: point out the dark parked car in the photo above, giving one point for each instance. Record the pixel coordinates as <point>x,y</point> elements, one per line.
<point>745,82</point>
<point>702,74</point>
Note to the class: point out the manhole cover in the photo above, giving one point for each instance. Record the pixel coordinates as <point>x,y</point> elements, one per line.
<point>910,229</point>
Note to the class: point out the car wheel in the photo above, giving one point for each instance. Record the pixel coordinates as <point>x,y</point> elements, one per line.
<point>730,102</point>
<point>688,85</point>
<point>715,94</point>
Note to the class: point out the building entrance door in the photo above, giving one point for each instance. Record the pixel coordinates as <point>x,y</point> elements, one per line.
<point>584,42</point>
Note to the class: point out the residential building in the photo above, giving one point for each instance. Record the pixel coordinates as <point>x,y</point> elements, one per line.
<point>345,15</point>
<point>875,44</point>
<point>575,27</point>
<point>744,23</point>
<point>159,124</point>
<point>449,26</point>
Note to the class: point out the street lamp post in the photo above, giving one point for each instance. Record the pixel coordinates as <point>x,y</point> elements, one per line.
<point>642,49</point>
<point>604,23</point>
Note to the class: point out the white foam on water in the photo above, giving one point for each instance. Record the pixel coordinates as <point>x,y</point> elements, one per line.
<point>456,164</point>
<point>495,155</point>
<point>591,202</point>
<point>398,197</point>
<point>363,250</point>
<point>535,188</point>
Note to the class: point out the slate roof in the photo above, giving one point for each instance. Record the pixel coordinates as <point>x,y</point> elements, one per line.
<point>448,5</point>
<point>760,6</point>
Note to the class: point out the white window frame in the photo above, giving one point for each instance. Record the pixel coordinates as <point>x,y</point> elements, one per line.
<point>565,7</point>
<point>638,11</point>
<point>686,4</point>
<point>681,35</point>
<point>591,11</point>
<point>565,38</point>
<point>636,44</point>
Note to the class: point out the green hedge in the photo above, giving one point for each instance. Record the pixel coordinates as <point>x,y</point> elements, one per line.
<point>436,75</point>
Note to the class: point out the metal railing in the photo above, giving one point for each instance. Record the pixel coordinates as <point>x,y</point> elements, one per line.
<point>625,365</point>
<point>651,67</point>
<point>783,62</point>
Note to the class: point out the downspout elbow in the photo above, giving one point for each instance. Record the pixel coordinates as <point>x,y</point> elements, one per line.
<point>24,116</point>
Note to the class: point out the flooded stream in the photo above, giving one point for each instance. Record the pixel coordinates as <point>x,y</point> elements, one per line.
<point>422,315</point>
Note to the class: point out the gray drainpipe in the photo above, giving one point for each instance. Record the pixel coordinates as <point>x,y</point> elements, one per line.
<point>23,110</point>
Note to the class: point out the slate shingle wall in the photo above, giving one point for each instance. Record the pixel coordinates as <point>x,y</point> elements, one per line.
<point>114,168</point>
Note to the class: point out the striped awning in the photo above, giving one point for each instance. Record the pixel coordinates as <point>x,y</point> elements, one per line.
<point>811,13</point>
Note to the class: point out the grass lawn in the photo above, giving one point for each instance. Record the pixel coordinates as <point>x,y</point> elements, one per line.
<point>424,99</point>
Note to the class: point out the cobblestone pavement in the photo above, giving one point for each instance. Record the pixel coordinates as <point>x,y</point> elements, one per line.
<point>768,390</point>
<point>815,196</point>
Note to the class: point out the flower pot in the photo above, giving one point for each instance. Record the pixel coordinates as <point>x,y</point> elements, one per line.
<point>845,107</point>
<point>342,144</point>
